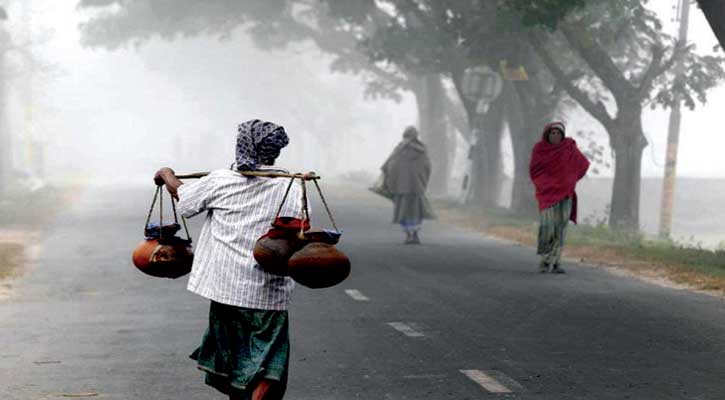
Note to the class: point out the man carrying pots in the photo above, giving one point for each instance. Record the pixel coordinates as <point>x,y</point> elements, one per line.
<point>245,350</point>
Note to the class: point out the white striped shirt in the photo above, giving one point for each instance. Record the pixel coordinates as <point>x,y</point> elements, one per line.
<point>239,211</point>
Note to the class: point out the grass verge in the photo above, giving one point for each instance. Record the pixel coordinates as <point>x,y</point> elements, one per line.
<point>11,257</point>
<point>685,266</point>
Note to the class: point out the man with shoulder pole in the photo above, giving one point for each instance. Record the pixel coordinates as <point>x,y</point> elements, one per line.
<point>245,350</point>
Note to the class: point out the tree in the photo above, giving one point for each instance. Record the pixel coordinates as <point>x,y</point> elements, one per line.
<point>629,65</point>
<point>440,37</point>
<point>335,27</point>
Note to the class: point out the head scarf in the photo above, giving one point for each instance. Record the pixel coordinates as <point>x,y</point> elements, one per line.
<point>410,133</point>
<point>554,125</point>
<point>555,170</point>
<point>258,143</point>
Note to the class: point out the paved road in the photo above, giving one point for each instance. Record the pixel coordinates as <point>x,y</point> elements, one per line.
<point>460,317</point>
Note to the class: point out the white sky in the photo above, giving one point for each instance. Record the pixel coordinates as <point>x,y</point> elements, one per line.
<point>101,111</point>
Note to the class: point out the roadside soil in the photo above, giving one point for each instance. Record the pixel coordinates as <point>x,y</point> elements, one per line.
<point>614,259</point>
<point>23,220</point>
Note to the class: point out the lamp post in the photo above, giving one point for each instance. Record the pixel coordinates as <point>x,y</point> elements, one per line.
<point>480,85</point>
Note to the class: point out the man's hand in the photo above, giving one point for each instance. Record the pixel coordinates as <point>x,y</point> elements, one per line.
<point>159,176</point>
<point>167,176</point>
<point>308,176</point>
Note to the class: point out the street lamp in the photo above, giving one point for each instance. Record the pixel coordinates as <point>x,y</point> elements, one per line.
<point>480,85</point>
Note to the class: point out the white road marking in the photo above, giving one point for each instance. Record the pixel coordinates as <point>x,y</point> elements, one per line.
<point>426,376</point>
<point>486,381</point>
<point>356,295</point>
<point>405,329</point>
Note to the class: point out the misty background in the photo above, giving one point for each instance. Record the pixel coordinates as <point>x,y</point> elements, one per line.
<point>103,117</point>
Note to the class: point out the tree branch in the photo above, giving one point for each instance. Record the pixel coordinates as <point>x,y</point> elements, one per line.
<point>597,110</point>
<point>330,43</point>
<point>599,61</point>
<point>658,70</point>
<point>653,71</point>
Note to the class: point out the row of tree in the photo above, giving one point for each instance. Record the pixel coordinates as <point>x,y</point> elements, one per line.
<point>611,58</point>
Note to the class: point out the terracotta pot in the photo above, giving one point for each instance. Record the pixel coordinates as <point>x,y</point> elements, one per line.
<point>319,265</point>
<point>168,258</point>
<point>274,248</point>
<point>273,253</point>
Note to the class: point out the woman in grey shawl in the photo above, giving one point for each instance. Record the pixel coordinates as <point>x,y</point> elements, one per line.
<point>406,174</point>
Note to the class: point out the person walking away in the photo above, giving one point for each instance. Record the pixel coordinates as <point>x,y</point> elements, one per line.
<point>245,350</point>
<point>556,166</point>
<point>406,173</point>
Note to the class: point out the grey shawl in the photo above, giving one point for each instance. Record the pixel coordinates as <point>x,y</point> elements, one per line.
<point>408,168</point>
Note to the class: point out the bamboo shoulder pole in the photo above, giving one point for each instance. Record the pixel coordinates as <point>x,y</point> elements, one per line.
<point>309,176</point>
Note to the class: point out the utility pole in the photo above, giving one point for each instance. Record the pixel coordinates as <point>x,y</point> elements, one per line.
<point>673,135</point>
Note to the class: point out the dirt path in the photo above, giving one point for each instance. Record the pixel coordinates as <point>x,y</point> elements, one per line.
<point>19,250</point>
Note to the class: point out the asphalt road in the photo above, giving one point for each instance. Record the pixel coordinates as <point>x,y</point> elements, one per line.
<point>459,317</point>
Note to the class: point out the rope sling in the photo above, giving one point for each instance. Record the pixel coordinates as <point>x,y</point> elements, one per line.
<point>162,254</point>
<point>159,194</point>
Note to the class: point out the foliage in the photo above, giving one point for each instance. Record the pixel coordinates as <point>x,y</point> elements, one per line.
<point>624,46</point>
<point>543,13</point>
<point>594,151</point>
<point>273,24</point>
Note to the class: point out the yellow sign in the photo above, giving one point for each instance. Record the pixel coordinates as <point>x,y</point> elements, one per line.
<point>513,74</point>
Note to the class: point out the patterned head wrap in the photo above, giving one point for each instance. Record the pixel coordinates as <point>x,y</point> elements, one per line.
<point>259,143</point>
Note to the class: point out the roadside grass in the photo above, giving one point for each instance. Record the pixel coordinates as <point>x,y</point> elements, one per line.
<point>11,257</point>
<point>681,263</point>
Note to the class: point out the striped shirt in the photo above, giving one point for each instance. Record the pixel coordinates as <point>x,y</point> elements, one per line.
<point>238,211</point>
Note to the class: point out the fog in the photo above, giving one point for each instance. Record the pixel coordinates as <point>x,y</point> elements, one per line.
<point>94,116</point>
<point>117,115</point>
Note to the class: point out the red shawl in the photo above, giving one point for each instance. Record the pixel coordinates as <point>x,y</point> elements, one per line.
<point>555,169</point>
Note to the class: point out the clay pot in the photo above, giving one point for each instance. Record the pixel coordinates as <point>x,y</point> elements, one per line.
<point>319,265</point>
<point>273,253</point>
<point>274,249</point>
<point>168,258</point>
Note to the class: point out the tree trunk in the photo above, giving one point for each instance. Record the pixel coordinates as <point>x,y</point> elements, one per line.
<point>627,143</point>
<point>525,123</point>
<point>523,199</point>
<point>493,124</point>
<point>431,102</point>
<point>487,165</point>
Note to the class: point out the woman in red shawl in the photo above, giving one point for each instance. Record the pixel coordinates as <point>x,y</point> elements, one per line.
<point>556,167</point>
